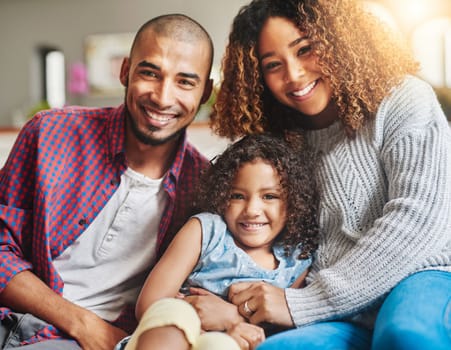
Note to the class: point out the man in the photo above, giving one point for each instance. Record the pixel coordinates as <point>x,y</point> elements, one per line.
<point>89,198</point>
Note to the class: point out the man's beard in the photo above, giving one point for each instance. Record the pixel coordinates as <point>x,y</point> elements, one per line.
<point>146,138</point>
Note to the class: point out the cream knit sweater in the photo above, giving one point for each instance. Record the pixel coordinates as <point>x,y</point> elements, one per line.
<point>385,209</point>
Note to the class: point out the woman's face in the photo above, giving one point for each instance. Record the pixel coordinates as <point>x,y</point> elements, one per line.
<point>291,71</point>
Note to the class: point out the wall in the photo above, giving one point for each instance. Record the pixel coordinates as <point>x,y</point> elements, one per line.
<point>24,24</point>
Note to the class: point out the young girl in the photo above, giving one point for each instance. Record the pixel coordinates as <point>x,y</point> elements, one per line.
<point>259,224</point>
<point>384,173</point>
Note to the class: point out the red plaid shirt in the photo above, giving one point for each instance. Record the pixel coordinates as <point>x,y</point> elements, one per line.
<point>64,167</point>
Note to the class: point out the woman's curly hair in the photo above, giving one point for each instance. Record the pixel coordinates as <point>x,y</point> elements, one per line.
<point>293,162</point>
<point>362,59</point>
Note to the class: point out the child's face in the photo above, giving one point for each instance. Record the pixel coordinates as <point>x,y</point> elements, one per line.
<point>290,69</point>
<point>256,212</point>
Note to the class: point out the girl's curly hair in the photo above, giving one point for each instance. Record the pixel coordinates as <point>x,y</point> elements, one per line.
<point>292,161</point>
<point>362,59</point>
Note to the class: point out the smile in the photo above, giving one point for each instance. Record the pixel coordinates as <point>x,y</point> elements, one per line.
<point>252,225</point>
<point>162,118</point>
<point>306,90</point>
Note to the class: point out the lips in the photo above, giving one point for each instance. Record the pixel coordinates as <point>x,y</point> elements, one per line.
<point>162,118</point>
<point>251,226</point>
<point>303,92</point>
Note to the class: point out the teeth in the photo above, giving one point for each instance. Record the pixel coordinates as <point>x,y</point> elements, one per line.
<point>159,117</point>
<point>253,225</point>
<point>305,90</point>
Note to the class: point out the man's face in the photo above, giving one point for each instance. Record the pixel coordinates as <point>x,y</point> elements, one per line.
<point>166,80</point>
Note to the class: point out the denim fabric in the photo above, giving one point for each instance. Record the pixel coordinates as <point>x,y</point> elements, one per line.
<point>416,315</point>
<point>222,263</point>
<point>16,327</point>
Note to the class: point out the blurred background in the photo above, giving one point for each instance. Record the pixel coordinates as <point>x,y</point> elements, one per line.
<point>64,52</point>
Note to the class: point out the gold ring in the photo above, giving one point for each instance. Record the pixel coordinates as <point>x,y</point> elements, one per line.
<point>246,309</point>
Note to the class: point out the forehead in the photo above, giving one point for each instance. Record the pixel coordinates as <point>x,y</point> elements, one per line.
<point>278,31</point>
<point>259,171</point>
<point>172,55</point>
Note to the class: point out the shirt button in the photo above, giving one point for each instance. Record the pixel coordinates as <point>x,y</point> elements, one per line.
<point>109,238</point>
<point>82,222</point>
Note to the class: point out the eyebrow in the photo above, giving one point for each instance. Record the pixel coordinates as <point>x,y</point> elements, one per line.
<point>292,44</point>
<point>275,188</point>
<point>147,64</point>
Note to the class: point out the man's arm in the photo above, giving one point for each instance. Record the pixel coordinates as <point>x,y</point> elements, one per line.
<point>26,293</point>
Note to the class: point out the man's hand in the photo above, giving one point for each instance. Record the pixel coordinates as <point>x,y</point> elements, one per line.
<point>96,334</point>
<point>26,293</point>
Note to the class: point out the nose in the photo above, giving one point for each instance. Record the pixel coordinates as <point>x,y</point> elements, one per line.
<point>163,95</point>
<point>294,70</point>
<point>253,207</point>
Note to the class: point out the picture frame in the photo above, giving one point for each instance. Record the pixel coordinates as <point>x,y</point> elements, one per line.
<point>103,55</point>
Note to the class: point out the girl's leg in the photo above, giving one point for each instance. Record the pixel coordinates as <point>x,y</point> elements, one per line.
<point>416,314</point>
<point>174,324</point>
<point>166,321</point>
<point>216,341</point>
<point>321,336</point>
<point>163,338</point>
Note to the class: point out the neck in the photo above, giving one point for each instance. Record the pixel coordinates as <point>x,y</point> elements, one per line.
<point>151,161</point>
<point>322,120</point>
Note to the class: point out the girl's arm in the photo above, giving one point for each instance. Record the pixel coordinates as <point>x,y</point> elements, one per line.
<point>173,268</point>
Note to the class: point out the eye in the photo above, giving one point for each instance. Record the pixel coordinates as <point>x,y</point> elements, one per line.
<point>187,83</point>
<point>270,66</point>
<point>236,196</point>
<point>149,74</point>
<point>304,50</point>
<point>270,196</point>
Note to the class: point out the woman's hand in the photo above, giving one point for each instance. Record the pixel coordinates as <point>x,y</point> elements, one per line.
<point>247,335</point>
<point>215,313</point>
<point>261,302</point>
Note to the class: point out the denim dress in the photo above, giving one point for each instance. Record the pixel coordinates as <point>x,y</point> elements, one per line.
<point>223,263</point>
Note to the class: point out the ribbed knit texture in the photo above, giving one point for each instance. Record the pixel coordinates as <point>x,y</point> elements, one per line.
<point>385,209</point>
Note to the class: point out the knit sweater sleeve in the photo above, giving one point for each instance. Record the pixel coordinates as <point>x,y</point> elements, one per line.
<point>412,232</point>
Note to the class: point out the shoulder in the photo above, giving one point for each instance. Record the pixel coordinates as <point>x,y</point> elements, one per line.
<point>71,117</point>
<point>211,222</point>
<point>194,158</point>
<point>189,165</point>
<point>213,229</point>
<point>412,90</point>
<point>411,106</point>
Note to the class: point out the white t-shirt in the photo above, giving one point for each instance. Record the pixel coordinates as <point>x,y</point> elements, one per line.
<point>105,268</point>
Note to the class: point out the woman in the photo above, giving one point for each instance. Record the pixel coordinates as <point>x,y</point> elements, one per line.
<point>381,276</point>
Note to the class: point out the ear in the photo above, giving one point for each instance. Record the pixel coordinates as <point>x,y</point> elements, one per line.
<point>207,91</point>
<point>125,69</point>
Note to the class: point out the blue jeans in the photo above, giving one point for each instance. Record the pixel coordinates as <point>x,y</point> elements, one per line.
<point>415,315</point>
<point>17,327</point>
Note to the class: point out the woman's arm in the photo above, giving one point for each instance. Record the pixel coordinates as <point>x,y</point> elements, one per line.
<point>410,230</point>
<point>410,141</point>
<point>173,268</point>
